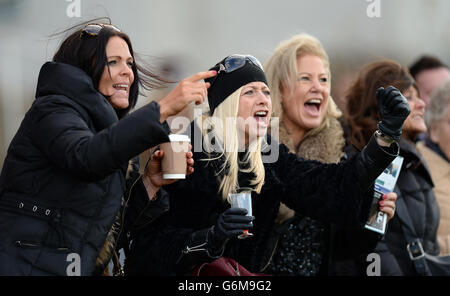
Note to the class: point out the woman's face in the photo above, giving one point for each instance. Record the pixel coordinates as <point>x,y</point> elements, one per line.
<point>255,107</point>
<point>115,84</point>
<point>414,123</point>
<point>306,106</point>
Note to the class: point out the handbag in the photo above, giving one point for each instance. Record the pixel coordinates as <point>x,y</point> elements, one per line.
<point>223,266</point>
<point>425,264</point>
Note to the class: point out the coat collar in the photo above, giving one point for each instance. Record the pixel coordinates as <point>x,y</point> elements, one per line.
<point>440,167</point>
<point>75,84</point>
<point>413,159</point>
<point>435,147</point>
<point>325,146</point>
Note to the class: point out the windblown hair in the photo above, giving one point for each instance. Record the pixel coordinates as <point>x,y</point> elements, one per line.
<point>89,54</point>
<point>362,109</point>
<point>220,134</point>
<point>281,72</point>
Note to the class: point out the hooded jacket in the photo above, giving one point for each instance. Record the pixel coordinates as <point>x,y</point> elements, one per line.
<point>64,175</point>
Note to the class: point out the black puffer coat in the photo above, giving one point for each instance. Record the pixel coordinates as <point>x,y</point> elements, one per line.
<point>64,175</point>
<point>415,187</point>
<point>331,192</point>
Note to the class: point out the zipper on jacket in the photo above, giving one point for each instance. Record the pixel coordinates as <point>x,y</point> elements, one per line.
<point>30,244</point>
<point>26,244</point>
<point>138,226</point>
<point>125,206</point>
<point>273,253</point>
<point>119,233</point>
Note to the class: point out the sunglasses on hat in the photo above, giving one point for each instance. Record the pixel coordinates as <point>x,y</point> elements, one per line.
<point>94,29</point>
<point>237,61</point>
<point>233,63</point>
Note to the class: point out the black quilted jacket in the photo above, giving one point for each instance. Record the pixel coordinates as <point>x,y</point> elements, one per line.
<point>64,175</point>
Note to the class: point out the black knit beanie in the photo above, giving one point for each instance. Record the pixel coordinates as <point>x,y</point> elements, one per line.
<point>224,84</point>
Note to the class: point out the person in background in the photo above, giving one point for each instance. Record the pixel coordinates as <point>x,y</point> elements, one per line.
<point>429,72</point>
<point>200,225</point>
<point>436,151</point>
<point>414,185</point>
<point>309,127</point>
<point>64,176</point>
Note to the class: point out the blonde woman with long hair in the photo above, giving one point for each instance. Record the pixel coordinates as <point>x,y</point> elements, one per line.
<point>232,151</point>
<point>299,76</point>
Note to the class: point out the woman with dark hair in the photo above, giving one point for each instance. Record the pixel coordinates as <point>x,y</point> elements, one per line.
<point>414,186</point>
<point>63,178</point>
<point>200,225</point>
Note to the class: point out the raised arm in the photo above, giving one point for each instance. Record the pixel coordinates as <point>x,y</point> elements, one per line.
<point>341,193</point>
<point>61,130</point>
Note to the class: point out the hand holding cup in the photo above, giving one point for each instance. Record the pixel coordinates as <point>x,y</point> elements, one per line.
<point>230,224</point>
<point>242,200</point>
<point>154,171</point>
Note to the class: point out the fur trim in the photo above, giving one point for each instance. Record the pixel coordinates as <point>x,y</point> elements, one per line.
<point>109,246</point>
<point>327,146</point>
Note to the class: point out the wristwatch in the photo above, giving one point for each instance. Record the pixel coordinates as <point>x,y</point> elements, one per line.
<point>384,137</point>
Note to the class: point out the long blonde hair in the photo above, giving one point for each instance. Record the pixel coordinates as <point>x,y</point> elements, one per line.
<point>222,125</point>
<point>281,71</point>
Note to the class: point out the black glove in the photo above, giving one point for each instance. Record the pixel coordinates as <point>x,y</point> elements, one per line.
<point>394,109</point>
<point>230,224</point>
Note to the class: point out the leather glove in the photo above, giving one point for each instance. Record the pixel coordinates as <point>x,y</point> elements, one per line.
<point>230,224</point>
<point>394,109</point>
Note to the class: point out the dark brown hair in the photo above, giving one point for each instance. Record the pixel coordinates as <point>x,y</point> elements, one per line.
<point>425,62</point>
<point>361,109</point>
<point>89,54</point>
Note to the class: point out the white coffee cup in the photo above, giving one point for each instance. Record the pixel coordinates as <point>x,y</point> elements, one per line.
<point>174,160</point>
